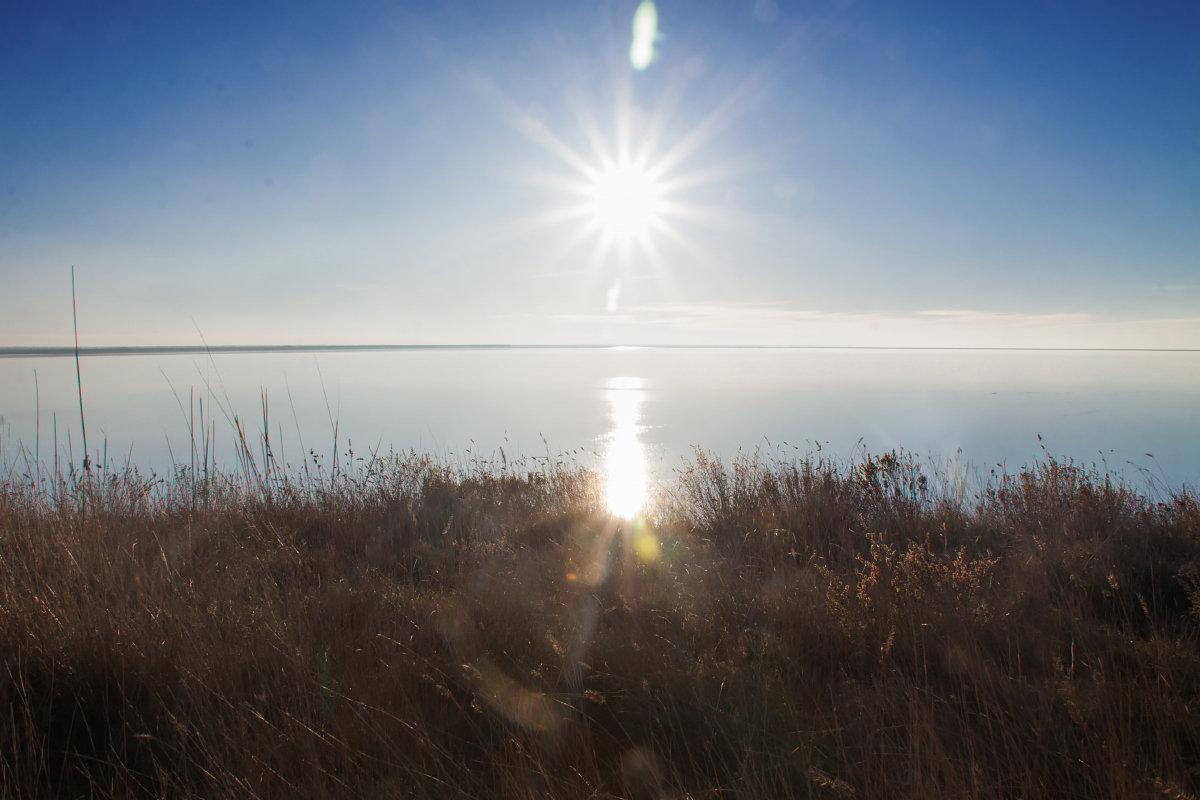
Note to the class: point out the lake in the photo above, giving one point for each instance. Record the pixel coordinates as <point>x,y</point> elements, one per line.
<point>1134,413</point>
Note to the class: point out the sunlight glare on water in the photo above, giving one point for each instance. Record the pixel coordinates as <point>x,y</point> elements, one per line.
<point>625,455</point>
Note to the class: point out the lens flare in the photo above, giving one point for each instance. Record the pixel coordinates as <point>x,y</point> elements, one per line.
<point>645,30</point>
<point>625,456</point>
<point>646,545</point>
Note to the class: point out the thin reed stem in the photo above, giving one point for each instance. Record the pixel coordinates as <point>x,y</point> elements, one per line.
<point>87,466</point>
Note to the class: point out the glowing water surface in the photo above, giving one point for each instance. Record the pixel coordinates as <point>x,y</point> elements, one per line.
<point>625,473</point>
<point>970,410</point>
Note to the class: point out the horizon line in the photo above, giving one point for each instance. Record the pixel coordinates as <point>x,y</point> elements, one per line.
<point>235,349</point>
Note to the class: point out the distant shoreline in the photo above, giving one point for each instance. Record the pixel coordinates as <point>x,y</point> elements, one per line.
<point>234,349</point>
<point>172,350</point>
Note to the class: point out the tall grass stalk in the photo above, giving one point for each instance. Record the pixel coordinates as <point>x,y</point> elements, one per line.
<point>87,466</point>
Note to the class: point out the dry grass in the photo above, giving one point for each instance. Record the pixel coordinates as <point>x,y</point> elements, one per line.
<point>778,629</point>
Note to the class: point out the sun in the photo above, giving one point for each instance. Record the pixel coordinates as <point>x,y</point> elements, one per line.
<point>624,202</point>
<point>636,189</point>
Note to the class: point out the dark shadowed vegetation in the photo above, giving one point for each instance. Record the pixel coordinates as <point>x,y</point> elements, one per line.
<point>775,628</point>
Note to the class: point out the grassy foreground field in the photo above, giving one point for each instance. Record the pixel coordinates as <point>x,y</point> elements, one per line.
<point>775,629</point>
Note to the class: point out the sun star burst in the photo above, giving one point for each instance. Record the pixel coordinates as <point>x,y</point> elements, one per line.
<point>624,202</point>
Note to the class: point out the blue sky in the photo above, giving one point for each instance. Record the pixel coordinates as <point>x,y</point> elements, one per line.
<point>1018,174</point>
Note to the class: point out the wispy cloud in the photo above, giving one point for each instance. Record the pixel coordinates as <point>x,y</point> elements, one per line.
<point>776,324</point>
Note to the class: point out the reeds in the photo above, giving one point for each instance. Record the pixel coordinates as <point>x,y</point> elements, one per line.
<point>405,627</point>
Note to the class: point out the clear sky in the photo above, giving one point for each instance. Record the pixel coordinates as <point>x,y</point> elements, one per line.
<point>908,173</point>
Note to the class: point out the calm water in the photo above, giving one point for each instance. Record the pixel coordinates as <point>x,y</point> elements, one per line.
<point>977,409</point>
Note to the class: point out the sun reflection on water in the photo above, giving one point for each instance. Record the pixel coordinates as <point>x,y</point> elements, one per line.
<point>625,455</point>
